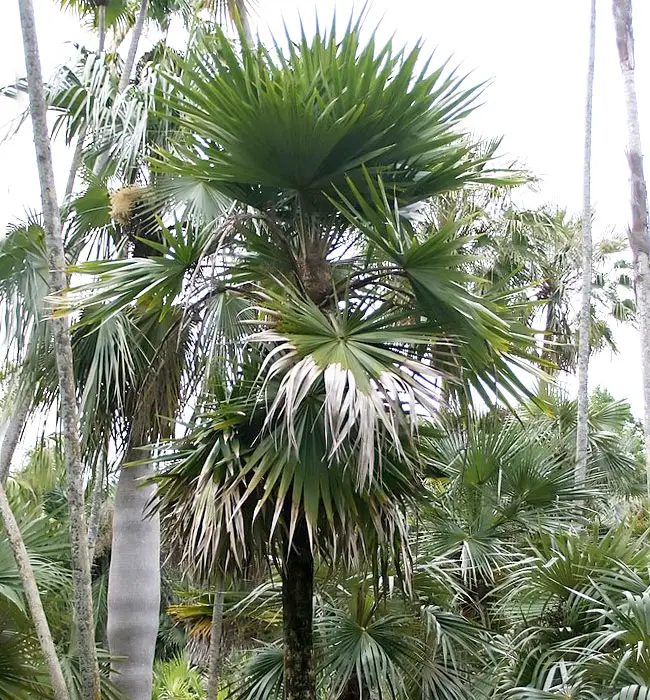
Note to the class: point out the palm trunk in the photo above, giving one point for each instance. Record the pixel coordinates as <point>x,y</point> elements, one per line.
<point>134,582</point>
<point>75,164</point>
<point>78,150</point>
<point>638,232</point>
<point>546,354</point>
<point>133,46</point>
<point>96,508</point>
<point>101,27</point>
<point>12,436</point>
<point>587,265</point>
<point>30,589</point>
<point>297,616</point>
<point>128,67</point>
<point>82,594</point>
<point>215,639</point>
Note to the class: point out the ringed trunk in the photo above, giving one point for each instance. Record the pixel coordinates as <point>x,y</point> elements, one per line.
<point>129,62</point>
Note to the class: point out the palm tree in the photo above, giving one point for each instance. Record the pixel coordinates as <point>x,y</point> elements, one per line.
<point>353,308</point>
<point>537,255</point>
<point>501,480</point>
<point>580,609</point>
<point>584,338</point>
<point>638,233</point>
<point>83,603</point>
<point>177,680</point>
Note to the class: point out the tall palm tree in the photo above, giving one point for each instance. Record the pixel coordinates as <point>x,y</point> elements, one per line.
<point>584,339</point>
<point>83,602</point>
<point>638,235</point>
<point>354,311</point>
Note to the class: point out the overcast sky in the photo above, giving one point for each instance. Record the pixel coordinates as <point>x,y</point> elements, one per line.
<point>533,52</point>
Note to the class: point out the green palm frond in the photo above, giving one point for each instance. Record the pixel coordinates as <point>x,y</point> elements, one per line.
<point>503,483</point>
<point>176,679</point>
<point>611,433</point>
<point>154,281</point>
<point>261,675</point>
<point>486,350</point>
<point>280,126</point>
<point>23,283</point>
<point>379,654</point>
<point>364,365</point>
<point>21,677</point>
<point>119,127</point>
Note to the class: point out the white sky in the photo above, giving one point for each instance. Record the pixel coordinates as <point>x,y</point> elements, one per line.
<point>534,52</point>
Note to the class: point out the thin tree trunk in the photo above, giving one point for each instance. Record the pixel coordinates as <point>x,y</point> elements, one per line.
<point>134,582</point>
<point>33,598</point>
<point>101,27</point>
<point>96,508</point>
<point>133,47</point>
<point>215,639</point>
<point>587,267</point>
<point>82,594</point>
<point>638,232</point>
<point>12,435</point>
<point>297,617</point>
<point>128,67</point>
<point>78,150</point>
<point>75,164</point>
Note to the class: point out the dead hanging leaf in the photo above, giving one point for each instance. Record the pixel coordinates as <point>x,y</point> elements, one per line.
<point>123,202</point>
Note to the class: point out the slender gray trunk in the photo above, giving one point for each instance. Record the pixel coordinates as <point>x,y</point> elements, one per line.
<point>82,593</point>
<point>96,508</point>
<point>216,630</point>
<point>128,67</point>
<point>133,46</point>
<point>244,19</point>
<point>134,582</point>
<point>101,28</point>
<point>78,150</point>
<point>638,231</point>
<point>12,435</point>
<point>33,598</point>
<point>75,165</point>
<point>584,343</point>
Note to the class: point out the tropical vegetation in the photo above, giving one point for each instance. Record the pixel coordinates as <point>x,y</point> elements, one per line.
<point>298,359</point>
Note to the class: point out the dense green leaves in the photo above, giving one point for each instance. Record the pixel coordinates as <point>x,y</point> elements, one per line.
<point>290,124</point>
